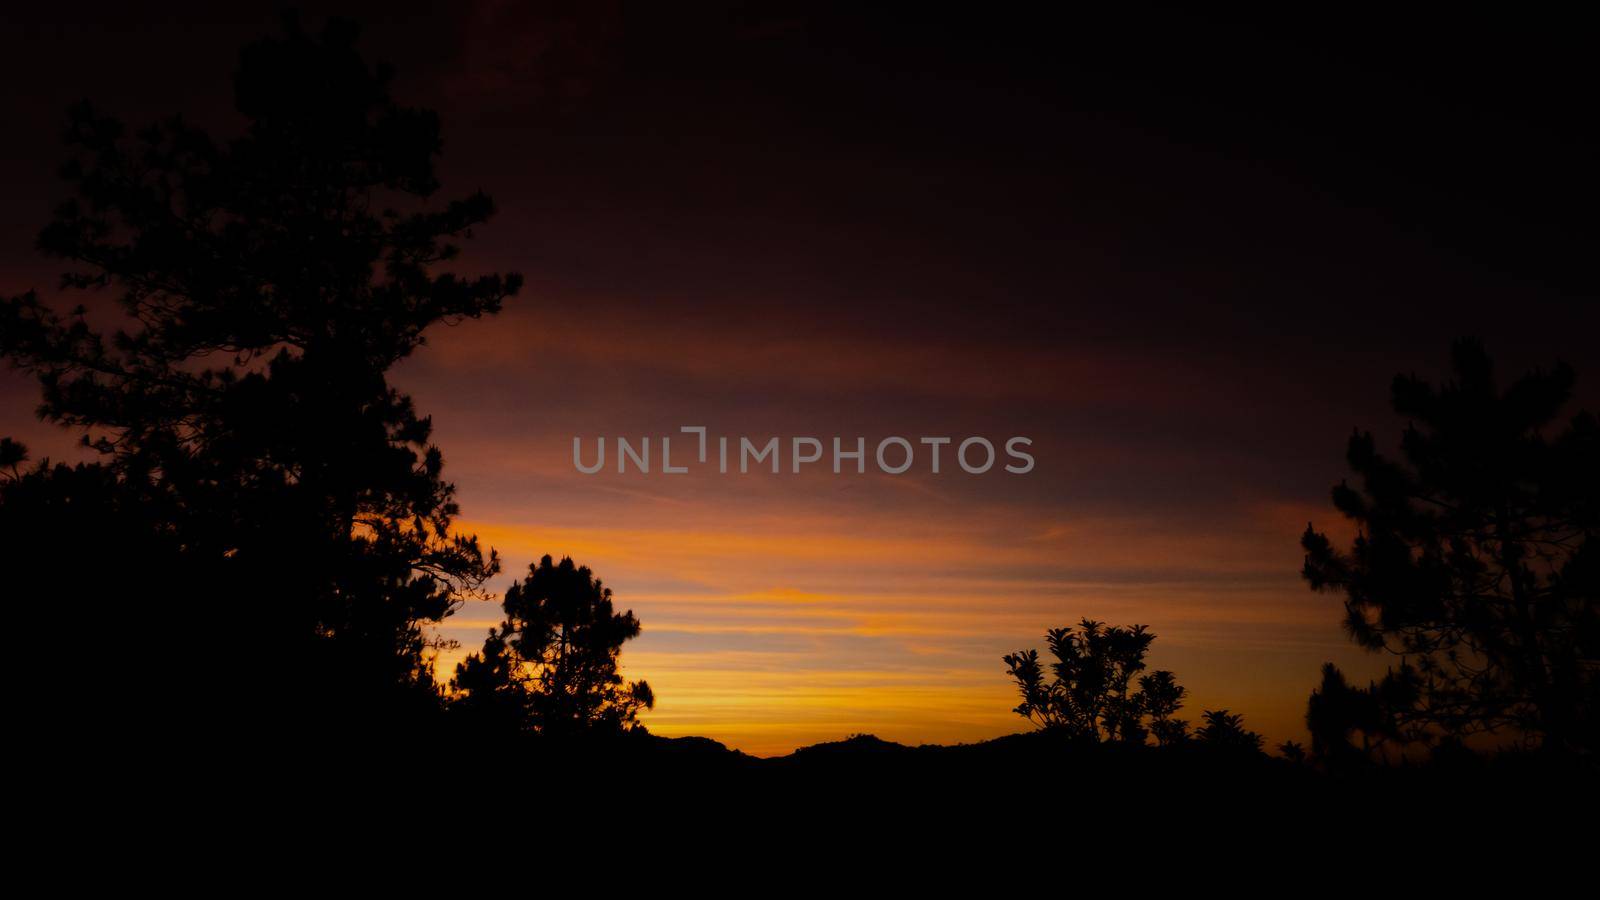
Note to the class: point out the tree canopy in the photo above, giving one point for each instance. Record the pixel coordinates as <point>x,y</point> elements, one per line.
<point>242,413</point>
<point>552,666</point>
<point>1474,563</point>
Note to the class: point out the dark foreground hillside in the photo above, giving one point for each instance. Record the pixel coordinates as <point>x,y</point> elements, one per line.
<point>1030,798</point>
<point>863,779</point>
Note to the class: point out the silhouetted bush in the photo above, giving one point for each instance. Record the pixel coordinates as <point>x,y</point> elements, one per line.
<point>1223,730</point>
<point>1090,694</point>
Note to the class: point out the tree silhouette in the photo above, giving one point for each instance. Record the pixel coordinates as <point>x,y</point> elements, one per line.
<point>1338,713</point>
<point>1223,730</point>
<point>12,456</point>
<point>1089,696</point>
<point>489,692</point>
<point>86,563</point>
<point>551,666</point>
<point>1163,697</point>
<point>243,415</point>
<point>1293,751</point>
<point>1474,562</point>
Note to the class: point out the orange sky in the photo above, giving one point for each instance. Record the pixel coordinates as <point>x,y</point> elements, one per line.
<point>1185,280</point>
<point>781,610</point>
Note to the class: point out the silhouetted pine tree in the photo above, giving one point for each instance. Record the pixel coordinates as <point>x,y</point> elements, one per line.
<point>551,667</point>
<point>1475,562</point>
<point>1338,715</point>
<point>243,415</point>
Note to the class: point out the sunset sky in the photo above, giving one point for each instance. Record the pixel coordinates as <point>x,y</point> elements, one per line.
<point>1183,256</point>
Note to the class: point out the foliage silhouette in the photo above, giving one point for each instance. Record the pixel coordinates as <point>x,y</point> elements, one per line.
<point>1475,564</point>
<point>1225,731</point>
<point>243,415</point>
<point>1338,713</point>
<point>551,666</point>
<point>1090,695</point>
<point>1293,751</point>
<point>267,533</point>
<point>12,455</point>
<point>1162,698</point>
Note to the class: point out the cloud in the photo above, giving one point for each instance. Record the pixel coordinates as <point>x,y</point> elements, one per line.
<point>861,619</point>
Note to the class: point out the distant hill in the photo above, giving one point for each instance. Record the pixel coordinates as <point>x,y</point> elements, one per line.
<point>1044,771</point>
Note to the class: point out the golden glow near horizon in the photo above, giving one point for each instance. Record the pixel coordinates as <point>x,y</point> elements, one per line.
<point>783,610</point>
<point>770,634</point>
<point>1186,314</point>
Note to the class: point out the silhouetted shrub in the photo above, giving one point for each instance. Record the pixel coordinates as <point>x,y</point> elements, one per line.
<point>1090,694</point>
<point>1223,730</point>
